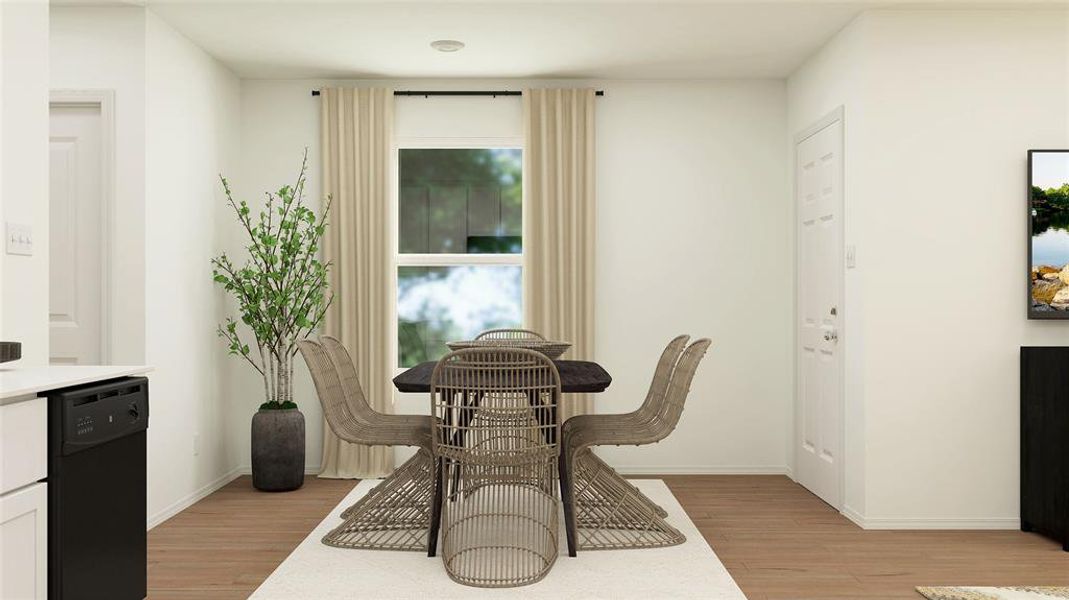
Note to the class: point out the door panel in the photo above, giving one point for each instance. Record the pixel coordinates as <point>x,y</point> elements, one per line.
<point>75,235</point>
<point>24,543</point>
<point>818,173</point>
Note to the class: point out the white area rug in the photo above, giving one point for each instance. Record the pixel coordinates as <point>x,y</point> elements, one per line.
<point>690,570</point>
<point>994,593</point>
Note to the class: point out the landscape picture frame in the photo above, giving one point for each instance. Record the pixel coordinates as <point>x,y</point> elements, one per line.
<point>1046,167</point>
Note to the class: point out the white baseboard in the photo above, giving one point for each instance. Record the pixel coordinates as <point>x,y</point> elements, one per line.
<point>703,470</point>
<point>854,516</point>
<point>190,499</point>
<point>928,523</point>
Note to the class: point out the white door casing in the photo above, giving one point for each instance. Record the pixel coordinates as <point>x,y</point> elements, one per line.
<point>819,408</point>
<point>79,197</point>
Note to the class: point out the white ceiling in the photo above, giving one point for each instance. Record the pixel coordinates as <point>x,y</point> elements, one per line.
<point>509,39</point>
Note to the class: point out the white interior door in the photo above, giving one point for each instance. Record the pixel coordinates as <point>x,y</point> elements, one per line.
<point>819,416</point>
<point>75,235</point>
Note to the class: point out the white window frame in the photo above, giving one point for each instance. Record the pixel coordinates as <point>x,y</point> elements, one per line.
<point>441,260</point>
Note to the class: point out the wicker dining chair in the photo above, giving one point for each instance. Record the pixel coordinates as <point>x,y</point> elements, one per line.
<point>395,514</point>
<point>510,334</point>
<point>415,429</point>
<point>658,386</point>
<point>496,436</point>
<point>603,511</point>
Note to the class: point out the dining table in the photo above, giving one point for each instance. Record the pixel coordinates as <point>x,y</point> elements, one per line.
<point>576,377</point>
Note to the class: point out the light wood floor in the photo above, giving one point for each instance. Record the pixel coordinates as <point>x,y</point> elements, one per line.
<point>776,539</point>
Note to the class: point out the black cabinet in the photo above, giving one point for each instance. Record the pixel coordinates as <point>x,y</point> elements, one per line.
<point>1045,441</point>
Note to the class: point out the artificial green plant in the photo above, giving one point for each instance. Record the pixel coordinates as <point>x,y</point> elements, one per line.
<point>282,290</point>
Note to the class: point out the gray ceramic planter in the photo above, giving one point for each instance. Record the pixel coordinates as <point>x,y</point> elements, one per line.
<point>278,450</point>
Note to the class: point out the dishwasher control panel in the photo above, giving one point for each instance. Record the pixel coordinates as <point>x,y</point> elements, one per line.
<point>100,412</point>
<point>84,425</point>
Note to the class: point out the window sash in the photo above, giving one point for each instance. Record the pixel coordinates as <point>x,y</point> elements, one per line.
<point>439,260</point>
<point>457,260</point>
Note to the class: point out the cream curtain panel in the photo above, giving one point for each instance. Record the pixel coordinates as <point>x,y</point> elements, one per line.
<point>355,129</point>
<point>559,221</point>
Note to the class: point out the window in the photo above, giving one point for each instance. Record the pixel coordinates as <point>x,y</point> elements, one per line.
<point>459,246</point>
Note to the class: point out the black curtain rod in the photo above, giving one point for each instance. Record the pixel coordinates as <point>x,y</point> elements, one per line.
<point>426,93</point>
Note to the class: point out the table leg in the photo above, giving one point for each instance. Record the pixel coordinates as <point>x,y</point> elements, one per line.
<point>466,413</point>
<point>436,509</point>
<point>567,494</point>
<point>546,416</point>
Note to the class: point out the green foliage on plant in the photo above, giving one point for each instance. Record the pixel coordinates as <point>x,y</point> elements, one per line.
<point>282,289</point>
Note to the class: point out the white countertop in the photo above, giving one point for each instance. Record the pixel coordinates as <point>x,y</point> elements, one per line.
<point>30,381</point>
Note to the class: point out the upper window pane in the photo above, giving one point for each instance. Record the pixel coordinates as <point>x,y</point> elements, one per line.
<point>460,200</point>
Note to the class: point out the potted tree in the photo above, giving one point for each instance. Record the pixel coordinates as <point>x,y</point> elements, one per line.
<point>282,295</point>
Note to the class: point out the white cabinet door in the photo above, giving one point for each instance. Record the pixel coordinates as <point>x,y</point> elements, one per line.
<point>23,443</point>
<point>23,543</point>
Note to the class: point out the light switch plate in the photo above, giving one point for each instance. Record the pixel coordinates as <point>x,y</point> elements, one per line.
<point>19,239</point>
<point>851,256</point>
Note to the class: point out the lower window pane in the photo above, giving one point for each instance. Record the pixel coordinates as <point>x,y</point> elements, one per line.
<point>436,305</point>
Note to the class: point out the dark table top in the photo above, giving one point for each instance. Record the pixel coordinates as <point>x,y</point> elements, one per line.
<point>576,377</point>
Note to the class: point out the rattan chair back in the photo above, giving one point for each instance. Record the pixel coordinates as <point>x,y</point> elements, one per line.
<point>496,433</point>
<point>332,397</point>
<point>662,376</point>
<point>510,334</point>
<point>669,410</point>
<point>350,381</point>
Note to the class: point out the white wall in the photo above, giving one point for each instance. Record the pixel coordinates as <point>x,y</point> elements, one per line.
<point>176,129</point>
<point>191,136</point>
<point>24,174</point>
<point>941,108</point>
<point>692,238</point>
<point>103,48</point>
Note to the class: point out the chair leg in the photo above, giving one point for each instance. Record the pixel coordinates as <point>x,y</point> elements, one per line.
<point>589,456</point>
<point>436,508</point>
<point>567,499</point>
<point>394,515</point>
<point>613,513</point>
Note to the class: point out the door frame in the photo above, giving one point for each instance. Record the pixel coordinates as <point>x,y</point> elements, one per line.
<point>837,114</point>
<point>105,101</point>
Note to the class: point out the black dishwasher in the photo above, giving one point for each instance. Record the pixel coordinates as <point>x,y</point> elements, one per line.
<point>96,491</point>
